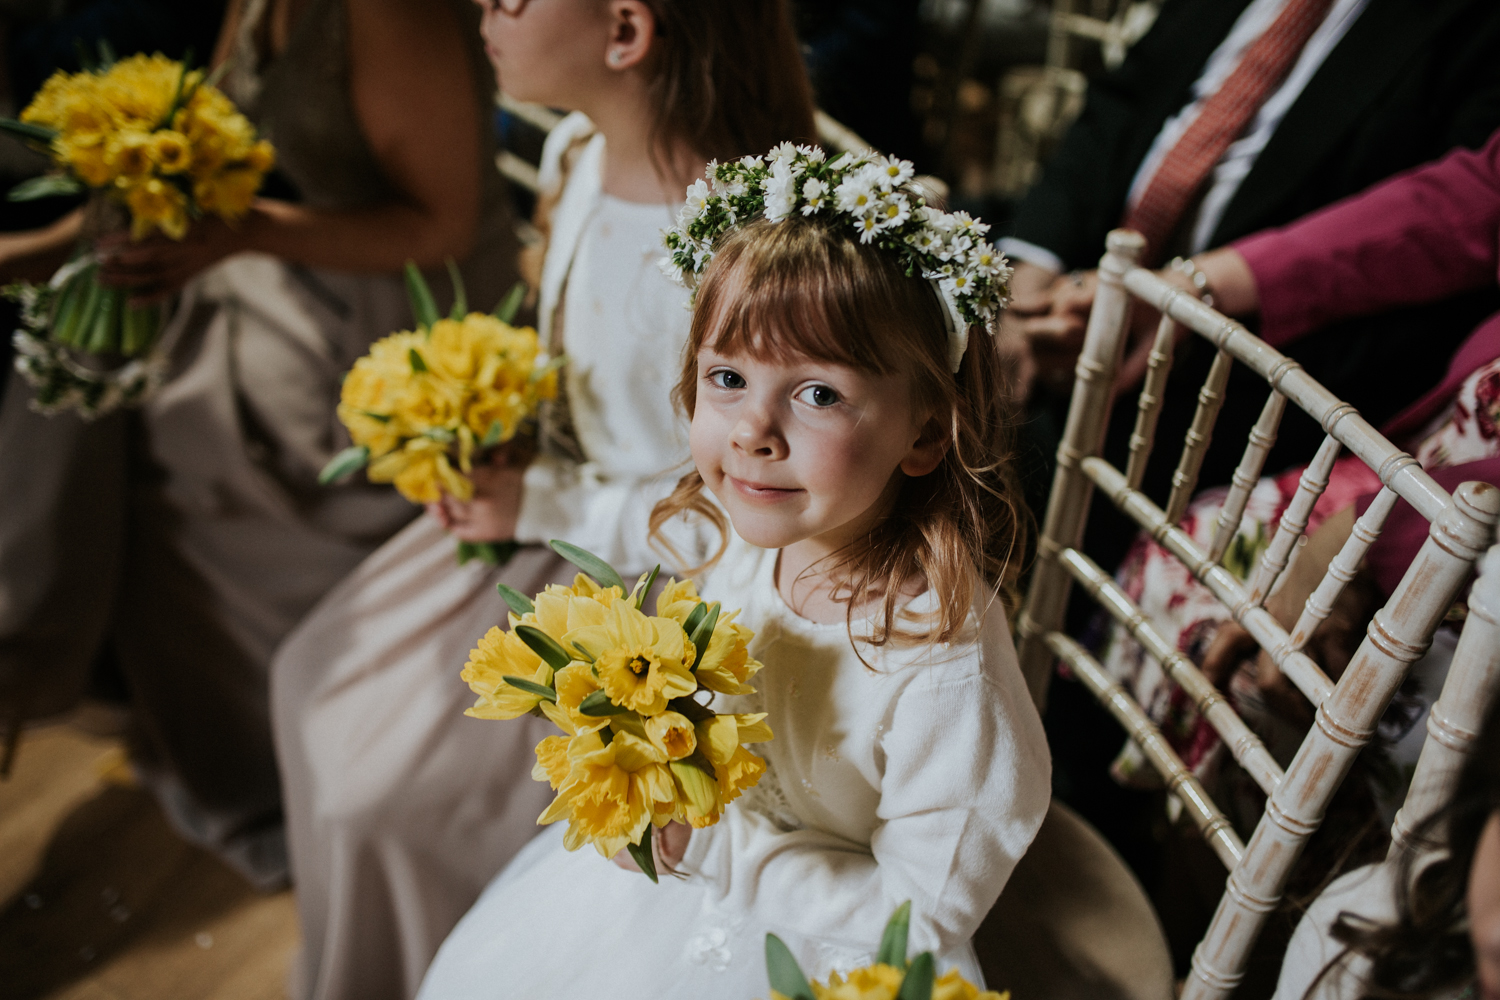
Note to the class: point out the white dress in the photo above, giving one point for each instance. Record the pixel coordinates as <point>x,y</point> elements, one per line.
<point>399,809</point>
<point>921,776</point>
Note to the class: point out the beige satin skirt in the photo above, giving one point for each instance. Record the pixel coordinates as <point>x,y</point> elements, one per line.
<point>400,809</point>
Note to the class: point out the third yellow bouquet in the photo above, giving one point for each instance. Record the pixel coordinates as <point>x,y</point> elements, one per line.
<point>630,691</point>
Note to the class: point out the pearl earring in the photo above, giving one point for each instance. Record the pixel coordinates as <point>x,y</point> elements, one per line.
<point>615,57</point>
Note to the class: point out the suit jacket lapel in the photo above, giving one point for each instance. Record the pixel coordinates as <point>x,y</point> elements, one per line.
<point>1377,47</point>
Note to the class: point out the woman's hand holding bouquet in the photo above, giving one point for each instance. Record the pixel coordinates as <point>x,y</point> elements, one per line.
<point>640,748</point>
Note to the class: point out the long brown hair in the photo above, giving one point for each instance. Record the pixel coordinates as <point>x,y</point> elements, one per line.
<point>729,79</point>
<point>808,287</point>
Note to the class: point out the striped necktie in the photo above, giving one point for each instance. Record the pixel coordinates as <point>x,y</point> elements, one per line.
<point>1221,119</point>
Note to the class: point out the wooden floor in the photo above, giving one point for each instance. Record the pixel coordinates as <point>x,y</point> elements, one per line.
<point>100,900</point>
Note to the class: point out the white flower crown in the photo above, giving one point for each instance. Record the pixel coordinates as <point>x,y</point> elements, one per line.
<point>878,198</point>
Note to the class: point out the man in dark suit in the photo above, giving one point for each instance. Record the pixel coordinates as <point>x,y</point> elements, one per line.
<point>1407,81</point>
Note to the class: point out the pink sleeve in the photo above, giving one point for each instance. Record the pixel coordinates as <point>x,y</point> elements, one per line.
<point>1418,237</point>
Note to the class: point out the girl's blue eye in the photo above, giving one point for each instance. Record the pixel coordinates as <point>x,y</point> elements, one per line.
<point>726,379</point>
<point>818,395</point>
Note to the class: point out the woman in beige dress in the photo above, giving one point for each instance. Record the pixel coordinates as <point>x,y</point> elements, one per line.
<point>191,535</point>
<point>400,810</point>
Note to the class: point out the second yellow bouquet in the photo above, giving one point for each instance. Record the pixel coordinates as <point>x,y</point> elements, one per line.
<point>423,403</point>
<point>640,745</point>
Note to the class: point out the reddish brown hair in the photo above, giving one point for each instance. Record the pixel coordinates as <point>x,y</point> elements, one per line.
<point>729,78</point>
<point>806,287</point>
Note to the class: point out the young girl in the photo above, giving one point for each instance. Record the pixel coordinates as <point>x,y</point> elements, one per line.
<point>858,446</point>
<point>400,810</point>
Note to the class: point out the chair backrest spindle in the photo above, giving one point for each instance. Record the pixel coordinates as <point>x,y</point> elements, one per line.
<point>1148,406</point>
<point>1210,400</point>
<point>1247,474</point>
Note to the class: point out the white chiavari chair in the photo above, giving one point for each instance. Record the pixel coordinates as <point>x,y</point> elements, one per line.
<point>1472,684</point>
<point>1346,712</point>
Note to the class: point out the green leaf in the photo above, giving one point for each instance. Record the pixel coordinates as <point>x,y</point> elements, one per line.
<point>417,364</point>
<point>694,617</point>
<point>783,972</point>
<point>345,462</point>
<point>641,852</point>
<point>893,941</point>
<point>919,977</point>
<point>544,645</point>
<point>530,687</point>
<point>492,436</point>
<point>705,632</point>
<point>460,300</point>
<point>46,186</point>
<point>598,704</point>
<point>591,564</point>
<point>107,56</point>
<point>506,311</point>
<point>644,588</point>
<point>489,553</point>
<point>422,305</point>
<point>517,601</point>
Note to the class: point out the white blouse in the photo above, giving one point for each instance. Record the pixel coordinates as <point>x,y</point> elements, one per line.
<point>921,773</point>
<point>623,326</point>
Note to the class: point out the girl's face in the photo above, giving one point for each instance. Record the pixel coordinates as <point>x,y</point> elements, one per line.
<point>800,450</point>
<point>547,51</point>
<point>1484,909</point>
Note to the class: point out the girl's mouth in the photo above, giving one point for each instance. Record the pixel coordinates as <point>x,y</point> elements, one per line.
<point>761,492</point>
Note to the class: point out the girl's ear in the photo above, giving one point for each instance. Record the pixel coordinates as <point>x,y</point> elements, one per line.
<point>927,452</point>
<point>631,34</point>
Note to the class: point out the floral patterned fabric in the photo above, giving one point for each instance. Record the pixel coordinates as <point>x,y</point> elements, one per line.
<point>1186,614</point>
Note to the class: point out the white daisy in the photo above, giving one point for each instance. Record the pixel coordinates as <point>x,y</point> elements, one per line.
<point>696,200</point>
<point>925,240</point>
<point>814,194</point>
<point>855,195</point>
<point>986,260</point>
<point>868,225</point>
<point>959,284</point>
<point>893,172</point>
<point>894,210</point>
<point>781,192</point>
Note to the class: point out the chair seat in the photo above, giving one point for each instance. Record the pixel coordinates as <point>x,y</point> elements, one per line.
<point>1073,922</point>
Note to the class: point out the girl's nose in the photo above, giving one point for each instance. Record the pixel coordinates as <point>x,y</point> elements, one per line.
<point>757,433</point>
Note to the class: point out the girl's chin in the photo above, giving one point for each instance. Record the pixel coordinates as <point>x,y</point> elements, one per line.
<point>765,532</point>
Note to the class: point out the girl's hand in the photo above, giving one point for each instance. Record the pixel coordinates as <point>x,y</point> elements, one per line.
<point>491,515</point>
<point>157,267</point>
<point>671,845</point>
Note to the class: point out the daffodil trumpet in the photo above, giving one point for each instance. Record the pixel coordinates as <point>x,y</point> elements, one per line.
<point>424,406</point>
<point>155,145</point>
<point>891,977</point>
<point>641,745</point>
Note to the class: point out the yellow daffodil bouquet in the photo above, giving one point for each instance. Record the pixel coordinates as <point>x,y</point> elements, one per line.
<point>156,145</point>
<point>640,746</point>
<point>423,405</point>
<point>892,977</point>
